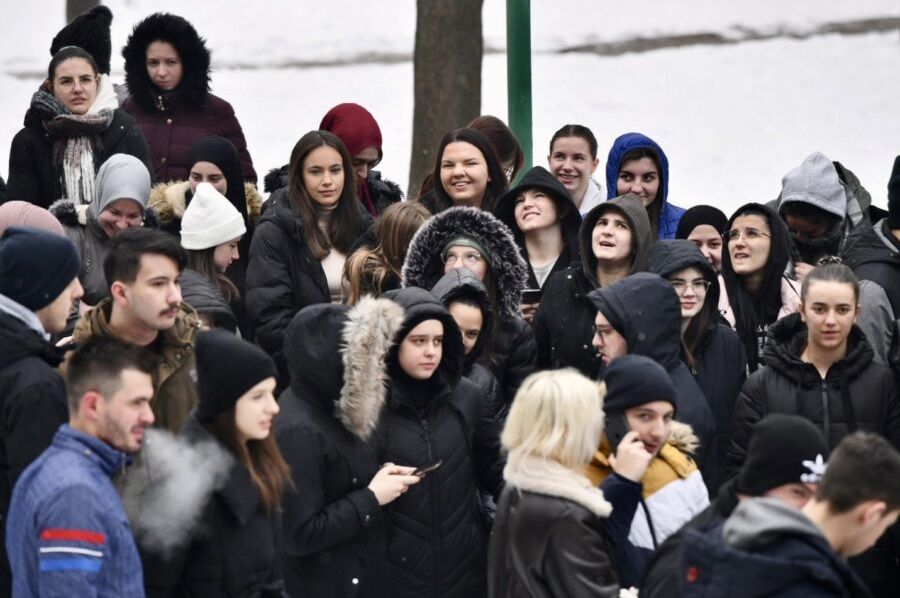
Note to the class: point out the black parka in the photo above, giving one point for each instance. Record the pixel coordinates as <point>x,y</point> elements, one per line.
<point>282,275</point>
<point>335,541</point>
<point>563,324</point>
<point>719,359</point>
<point>856,394</point>
<point>35,178</point>
<point>437,539</point>
<point>232,551</point>
<point>874,254</point>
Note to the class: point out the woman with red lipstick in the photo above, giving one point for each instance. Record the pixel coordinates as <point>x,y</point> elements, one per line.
<point>820,365</point>
<point>573,160</point>
<point>710,349</point>
<point>233,549</point>
<point>73,125</point>
<point>302,241</point>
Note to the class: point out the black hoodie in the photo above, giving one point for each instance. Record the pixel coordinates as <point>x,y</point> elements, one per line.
<point>719,358</point>
<point>437,541</point>
<point>563,323</point>
<point>567,214</point>
<point>645,309</point>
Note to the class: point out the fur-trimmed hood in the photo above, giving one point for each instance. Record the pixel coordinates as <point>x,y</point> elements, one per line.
<point>424,266</point>
<point>349,374</point>
<point>170,200</point>
<point>195,59</point>
<point>72,216</point>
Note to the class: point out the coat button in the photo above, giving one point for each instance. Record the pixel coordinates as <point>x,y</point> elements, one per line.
<point>569,276</point>
<point>367,518</point>
<point>355,581</point>
<point>168,121</point>
<point>355,482</point>
<point>578,295</point>
<point>163,160</point>
<point>585,347</point>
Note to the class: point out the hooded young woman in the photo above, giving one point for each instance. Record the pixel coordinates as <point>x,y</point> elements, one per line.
<point>711,349</point>
<point>74,124</point>
<point>636,164</point>
<point>335,538</point>
<point>614,239</point>
<point>466,237</point>
<point>437,539</point>
<point>544,222</point>
<point>167,72</point>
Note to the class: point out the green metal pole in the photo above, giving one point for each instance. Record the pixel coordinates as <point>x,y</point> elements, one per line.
<point>518,73</point>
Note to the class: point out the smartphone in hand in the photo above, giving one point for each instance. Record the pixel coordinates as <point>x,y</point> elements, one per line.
<point>423,471</point>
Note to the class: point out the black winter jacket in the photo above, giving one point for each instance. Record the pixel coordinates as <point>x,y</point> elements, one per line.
<point>546,546</point>
<point>204,296</point>
<point>437,540</point>
<point>874,254</point>
<point>856,394</point>
<point>511,353</point>
<point>335,540</point>
<point>282,276</point>
<point>33,176</point>
<point>563,324</point>
<point>32,406</point>
<point>231,552</point>
<point>719,360</point>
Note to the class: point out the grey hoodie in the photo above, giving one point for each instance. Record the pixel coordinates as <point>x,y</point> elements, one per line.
<point>757,523</point>
<point>815,182</point>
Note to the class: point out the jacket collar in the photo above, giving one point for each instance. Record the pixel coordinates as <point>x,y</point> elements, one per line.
<point>23,314</point>
<point>109,459</point>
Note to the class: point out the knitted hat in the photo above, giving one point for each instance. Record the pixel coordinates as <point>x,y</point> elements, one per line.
<point>698,215</point>
<point>463,241</point>
<point>210,220</point>
<point>894,196</point>
<point>784,449</point>
<point>36,266</point>
<point>634,380</point>
<point>22,213</point>
<point>89,31</point>
<point>227,367</point>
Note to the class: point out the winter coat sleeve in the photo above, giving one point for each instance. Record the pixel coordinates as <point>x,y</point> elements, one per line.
<point>542,340</point>
<point>30,419</point>
<point>137,146</point>
<point>23,181</point>
<point>488,457</point>
<point>748,410</point>
<point>310,522</point>
<point>577,564</point>
<point>521,361</point>
<point>876,319</point>
<point>269,294</point>
<point>229,128</point>
<point>625,496</point>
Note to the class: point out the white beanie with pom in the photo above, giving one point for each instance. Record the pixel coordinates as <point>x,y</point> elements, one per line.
<point>210,220</point>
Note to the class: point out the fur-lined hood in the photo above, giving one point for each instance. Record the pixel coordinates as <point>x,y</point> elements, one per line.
<point>349,375</point>
<point>195,59</point>
<point>169,200</point>
<point>72,216</point>
<point>424,266</point>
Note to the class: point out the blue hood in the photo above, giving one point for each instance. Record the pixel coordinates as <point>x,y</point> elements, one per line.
<point>624,144</point>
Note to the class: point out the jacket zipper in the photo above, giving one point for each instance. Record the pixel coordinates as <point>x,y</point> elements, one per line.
<point>826,414</point>
<point>435,512</point>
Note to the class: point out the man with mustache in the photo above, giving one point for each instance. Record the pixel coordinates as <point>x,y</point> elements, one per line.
<point>143,270</point>
<point>67,532</point>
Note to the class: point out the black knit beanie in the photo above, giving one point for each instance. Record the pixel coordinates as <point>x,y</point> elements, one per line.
<point>227,367</point>
<point>634,380</point>
<point>894,196</point>
<point>89,31</point>
<point>783,450</point>
<point>36,266</point>
<point>698,215</point>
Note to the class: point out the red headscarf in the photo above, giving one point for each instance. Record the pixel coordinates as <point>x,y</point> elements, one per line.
<point>357,128</point>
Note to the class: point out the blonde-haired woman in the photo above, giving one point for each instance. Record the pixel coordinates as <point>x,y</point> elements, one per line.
<point>546,539</point>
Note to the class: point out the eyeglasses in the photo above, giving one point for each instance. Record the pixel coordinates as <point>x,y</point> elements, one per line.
<point>602,332</point>
<point>751,234</point>
<point>698,286</point>
<point>468,259</point>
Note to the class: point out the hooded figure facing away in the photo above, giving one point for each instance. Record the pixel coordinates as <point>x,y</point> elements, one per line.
<point>617,231</point>
<point>335,540</point>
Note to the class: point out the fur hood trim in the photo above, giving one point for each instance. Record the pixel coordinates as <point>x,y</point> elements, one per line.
<point>169,200</point>
<point>195,58</point>
<point>683,438</point>
<point>367,336</point>
<point>549,478</point>
<point>424,267</point>
<point>275,179</point>
<point>71,215</point>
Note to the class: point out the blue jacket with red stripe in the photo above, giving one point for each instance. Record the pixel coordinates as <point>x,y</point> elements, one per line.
<point>67,533</point>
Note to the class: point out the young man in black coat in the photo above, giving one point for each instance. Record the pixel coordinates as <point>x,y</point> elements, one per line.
<point>38,286</point>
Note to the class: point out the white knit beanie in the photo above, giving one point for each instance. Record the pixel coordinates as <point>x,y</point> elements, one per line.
<point>210,220</point>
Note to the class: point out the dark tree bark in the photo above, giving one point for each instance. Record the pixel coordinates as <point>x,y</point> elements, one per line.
<point>447,77</point>
<point>76,7</point>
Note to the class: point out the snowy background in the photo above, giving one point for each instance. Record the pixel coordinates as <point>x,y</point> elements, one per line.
<point>733,118</point>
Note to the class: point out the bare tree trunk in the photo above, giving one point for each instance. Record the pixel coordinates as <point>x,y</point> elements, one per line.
<point>447,77</point>
<point>76,7</point>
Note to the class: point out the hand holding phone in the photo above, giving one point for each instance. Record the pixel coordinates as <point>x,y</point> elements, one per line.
<point>425,470</point>
<point>631,459</point>
<point>391,482</point>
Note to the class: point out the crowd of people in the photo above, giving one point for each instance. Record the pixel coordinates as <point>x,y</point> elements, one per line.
<point>516,383</point>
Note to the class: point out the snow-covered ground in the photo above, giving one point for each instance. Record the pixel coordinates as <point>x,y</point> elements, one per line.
<point>733,119</point>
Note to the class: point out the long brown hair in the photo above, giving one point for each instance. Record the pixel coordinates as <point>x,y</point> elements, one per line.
<point>201,261</point>
<point>346,221</point>
<point>366,270</point>
<point>268,469</point>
